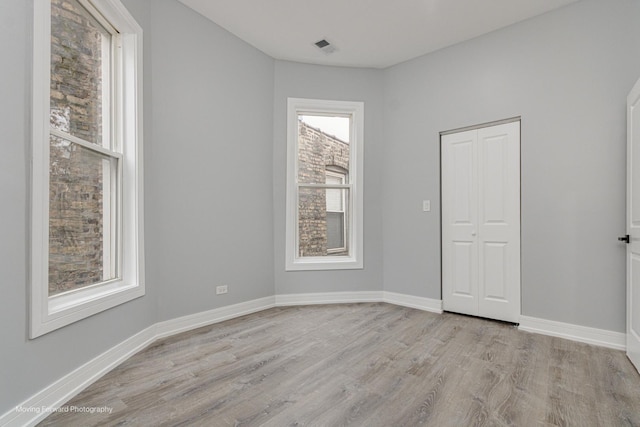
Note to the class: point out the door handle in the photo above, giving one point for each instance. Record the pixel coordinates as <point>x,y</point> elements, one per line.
<point>625,239</point>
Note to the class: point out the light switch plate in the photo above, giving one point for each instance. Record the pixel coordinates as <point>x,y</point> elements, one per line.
<point>426,205</point>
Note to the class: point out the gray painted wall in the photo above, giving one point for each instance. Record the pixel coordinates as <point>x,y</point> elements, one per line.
<point>27,366</point>
<point>343,84</point>
<point>208,170</point>
<point>567,73</point>
<point>208,193</point>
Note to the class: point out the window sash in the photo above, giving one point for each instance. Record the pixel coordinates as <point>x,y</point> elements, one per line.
<point>112,176</point>
<point>111,51</point>
<point>347,222</point>
<point>112,215</point>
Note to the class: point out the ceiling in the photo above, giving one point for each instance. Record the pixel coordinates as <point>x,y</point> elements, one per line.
<point>364,33</point>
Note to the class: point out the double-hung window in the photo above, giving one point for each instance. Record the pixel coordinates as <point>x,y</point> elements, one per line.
<point>324,185</point>
<point>87,161</point>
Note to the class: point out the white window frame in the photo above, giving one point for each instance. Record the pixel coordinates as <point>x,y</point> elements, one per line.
<point>355,177</point>
<point>50,313</point>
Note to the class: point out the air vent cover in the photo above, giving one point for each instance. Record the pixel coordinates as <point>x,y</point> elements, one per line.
<point>325,46</point>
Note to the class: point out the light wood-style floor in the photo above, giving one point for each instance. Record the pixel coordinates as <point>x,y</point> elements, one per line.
<point>364,365</point>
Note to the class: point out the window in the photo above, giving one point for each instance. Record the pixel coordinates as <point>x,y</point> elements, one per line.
<point>324,185</point>
<point>87,153</point>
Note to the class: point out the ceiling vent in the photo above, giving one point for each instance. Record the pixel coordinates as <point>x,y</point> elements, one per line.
<point>325,46</point>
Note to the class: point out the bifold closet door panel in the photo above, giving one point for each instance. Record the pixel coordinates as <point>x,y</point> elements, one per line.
<point>460,222</point>
<point>499,222</point>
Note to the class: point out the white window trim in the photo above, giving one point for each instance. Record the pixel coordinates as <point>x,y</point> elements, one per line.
<point>296,106</point>
<point>50,313</point>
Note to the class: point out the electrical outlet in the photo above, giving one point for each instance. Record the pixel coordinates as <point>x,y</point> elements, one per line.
<point>221,289</point>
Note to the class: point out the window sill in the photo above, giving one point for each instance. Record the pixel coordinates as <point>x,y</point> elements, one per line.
<point>324,263</point>
<point>67,309</point>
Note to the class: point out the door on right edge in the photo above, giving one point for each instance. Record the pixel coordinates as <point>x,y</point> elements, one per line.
<point>633,225</point>
<point>481,221</point>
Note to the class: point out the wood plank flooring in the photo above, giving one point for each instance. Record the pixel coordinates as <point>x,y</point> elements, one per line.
<point>363,365</point>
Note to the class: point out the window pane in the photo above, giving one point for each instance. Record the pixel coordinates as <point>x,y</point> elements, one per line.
<point>335,197</point>
<point>321,233</point>
<point>335,202</point>
<point>322,141</point>
<point>80,217</point>
<point>335,230</point>
<point>80,57</point>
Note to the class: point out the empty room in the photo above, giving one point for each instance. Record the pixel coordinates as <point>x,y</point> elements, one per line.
<point>367,213</point>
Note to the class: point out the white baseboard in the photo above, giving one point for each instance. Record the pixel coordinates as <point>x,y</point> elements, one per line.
<point>420,303</point>
<point>601,337</point>
<point>328,298</point>
<point>198,320</point>
<point>37,407</point>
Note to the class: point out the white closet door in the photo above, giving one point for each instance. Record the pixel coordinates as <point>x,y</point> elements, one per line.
<point>499,222</point>
<point>460,222</point>
<point>633,225</point>
<point>481,222</point>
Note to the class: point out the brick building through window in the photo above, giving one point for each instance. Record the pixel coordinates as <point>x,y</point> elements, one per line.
<point>322,212</point>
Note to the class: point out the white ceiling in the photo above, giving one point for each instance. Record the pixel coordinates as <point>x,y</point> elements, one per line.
<point>366,33</point>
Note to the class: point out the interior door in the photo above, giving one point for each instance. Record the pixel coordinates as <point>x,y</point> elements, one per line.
<point>460,222</point>
<point>633,225</point>
<point>481,221</point>
<point>499,222</point>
